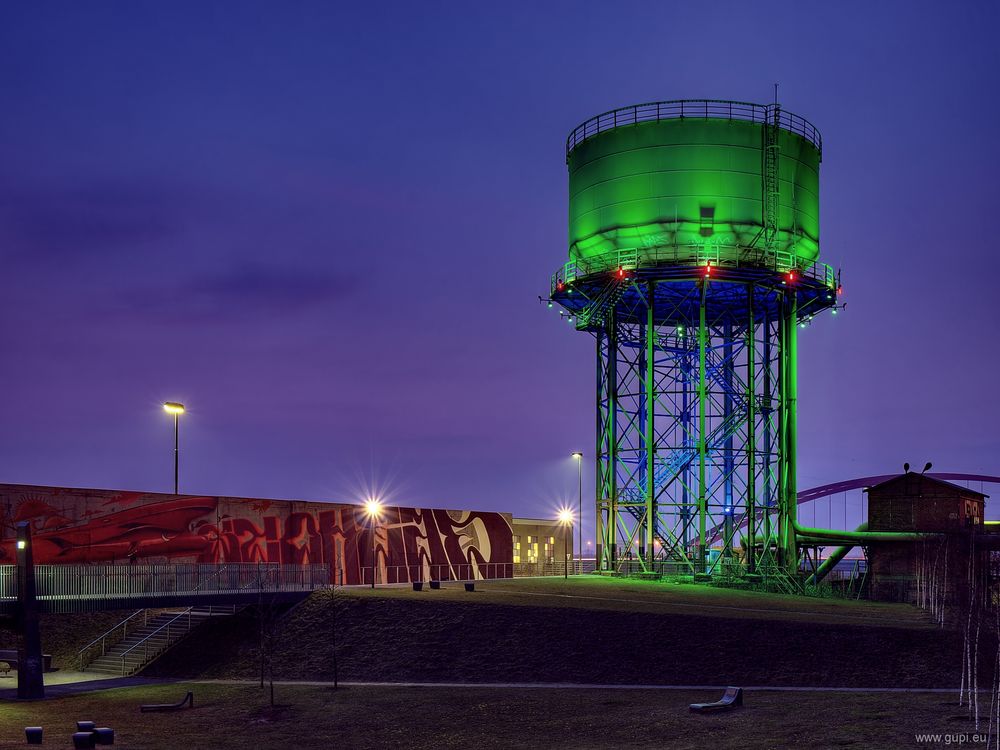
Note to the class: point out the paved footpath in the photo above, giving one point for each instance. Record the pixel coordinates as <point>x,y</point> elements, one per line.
<point>64,688</point>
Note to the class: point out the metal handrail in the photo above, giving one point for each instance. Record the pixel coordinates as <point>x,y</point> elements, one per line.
<point>694,108</point>
<point>718,256</point>
<point>103,637</point>
<point>145,641</point>
<point>417,573</point>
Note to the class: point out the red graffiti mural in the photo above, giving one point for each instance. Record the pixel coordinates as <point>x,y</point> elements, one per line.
<point>102,526</point>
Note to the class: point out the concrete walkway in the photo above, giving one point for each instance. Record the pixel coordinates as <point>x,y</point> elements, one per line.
<point>580,686</point>
<point>59,684</point>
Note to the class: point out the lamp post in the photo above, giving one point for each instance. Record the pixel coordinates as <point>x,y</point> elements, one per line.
<point>578,455</point>
<point>172,407</point>
<point>30,683</point>
<point>566,519</point>
<point>373,508</point>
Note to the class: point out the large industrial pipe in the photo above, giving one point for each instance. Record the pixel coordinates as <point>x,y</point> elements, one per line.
<point>809,535</point>
<point>861,536</point>
<point>835,557</point>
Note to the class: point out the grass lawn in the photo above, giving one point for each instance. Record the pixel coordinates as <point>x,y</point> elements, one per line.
<point>238,716</point>
<point>660,597</point>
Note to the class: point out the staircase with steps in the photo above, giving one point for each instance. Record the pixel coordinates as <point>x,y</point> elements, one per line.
<point>142,637</point>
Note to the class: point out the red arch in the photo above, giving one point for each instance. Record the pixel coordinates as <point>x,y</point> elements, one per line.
<point>825,490</point>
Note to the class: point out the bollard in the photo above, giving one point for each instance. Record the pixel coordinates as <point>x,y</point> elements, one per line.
<point>435,584</point>
<point>85,726</point>
<point>418,585</point>
<point>82,740</point>
<point>104,735</point>
<point>33,735</point>
<point>470,587</point>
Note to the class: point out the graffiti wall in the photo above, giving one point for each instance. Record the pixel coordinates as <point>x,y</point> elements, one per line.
<point>105,526</point>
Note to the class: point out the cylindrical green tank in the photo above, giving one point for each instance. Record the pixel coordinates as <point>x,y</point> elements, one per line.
<point>644,178</point>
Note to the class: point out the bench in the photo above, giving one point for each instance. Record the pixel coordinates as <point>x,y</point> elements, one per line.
<point>732,698</point>
<point>188,700</point>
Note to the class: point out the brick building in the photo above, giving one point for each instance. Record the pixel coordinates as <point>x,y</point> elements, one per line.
<point>919,503</point>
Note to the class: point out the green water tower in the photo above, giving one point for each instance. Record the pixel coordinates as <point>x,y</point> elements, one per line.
<point>694,260</point>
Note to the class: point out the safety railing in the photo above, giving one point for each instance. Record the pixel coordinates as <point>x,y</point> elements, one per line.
<point>69,587</point>
<point>110,637</point>
<point>438,572</point>
<point>157,641</point>
<point>694,108</point>
<point>718,256</point>
<point>8,582</point>
<point>550,568</point>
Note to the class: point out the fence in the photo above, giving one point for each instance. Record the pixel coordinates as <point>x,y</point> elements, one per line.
<point>695,108</point>
<point>443,572</point>
<point>690,257</point>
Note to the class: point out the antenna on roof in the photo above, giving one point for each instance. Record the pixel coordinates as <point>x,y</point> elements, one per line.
<point>927,467</point>
<point>775,93</point>
<point>906,468</point>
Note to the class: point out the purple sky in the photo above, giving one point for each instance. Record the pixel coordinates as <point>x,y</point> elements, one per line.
<point>324,229</point>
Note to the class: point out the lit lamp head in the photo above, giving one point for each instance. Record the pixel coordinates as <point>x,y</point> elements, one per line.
<point>565,516</point>
<point>373,508</point>
<point>577,455</point>
<point>172,407</point>
<point>22,544</point>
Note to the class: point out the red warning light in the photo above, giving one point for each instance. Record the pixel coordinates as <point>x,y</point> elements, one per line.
<point>559,286</point>
<point>708,268</point>
<point>840,290</point>
<point>621,273</point>
<point>791,276</point>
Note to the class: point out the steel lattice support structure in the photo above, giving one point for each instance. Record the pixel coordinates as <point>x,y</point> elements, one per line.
<point>695,416</point>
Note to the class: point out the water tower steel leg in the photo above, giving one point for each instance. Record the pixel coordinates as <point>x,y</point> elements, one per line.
<point>613,434</point>
<point>791,429</point>
<point>640,481</point>
<point>702,448</point>
<point>728,462</point>
<point>685,368</point>
<point>751,510</point>
<point>600,464</point>
<point>650,399</point>
<point>782,432</point>
<point>768,386</point>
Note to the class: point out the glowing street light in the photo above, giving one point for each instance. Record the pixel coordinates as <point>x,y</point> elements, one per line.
<point>578,455</point>
<point>566,519</point>
<point>373,508</point>
<point>172,407</point>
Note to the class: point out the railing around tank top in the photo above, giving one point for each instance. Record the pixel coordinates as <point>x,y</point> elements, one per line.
<point>694,108</point>
<point>718,256</point>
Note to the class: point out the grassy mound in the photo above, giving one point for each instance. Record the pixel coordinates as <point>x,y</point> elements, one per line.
<point>585,631</point>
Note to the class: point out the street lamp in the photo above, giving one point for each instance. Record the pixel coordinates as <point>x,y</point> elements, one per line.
<point>579,553</point>
<point>566,519</point>
<point>172,407</point>
<point>373,508</point>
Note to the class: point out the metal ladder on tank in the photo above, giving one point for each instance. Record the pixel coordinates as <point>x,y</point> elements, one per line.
<point>771,185</point>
